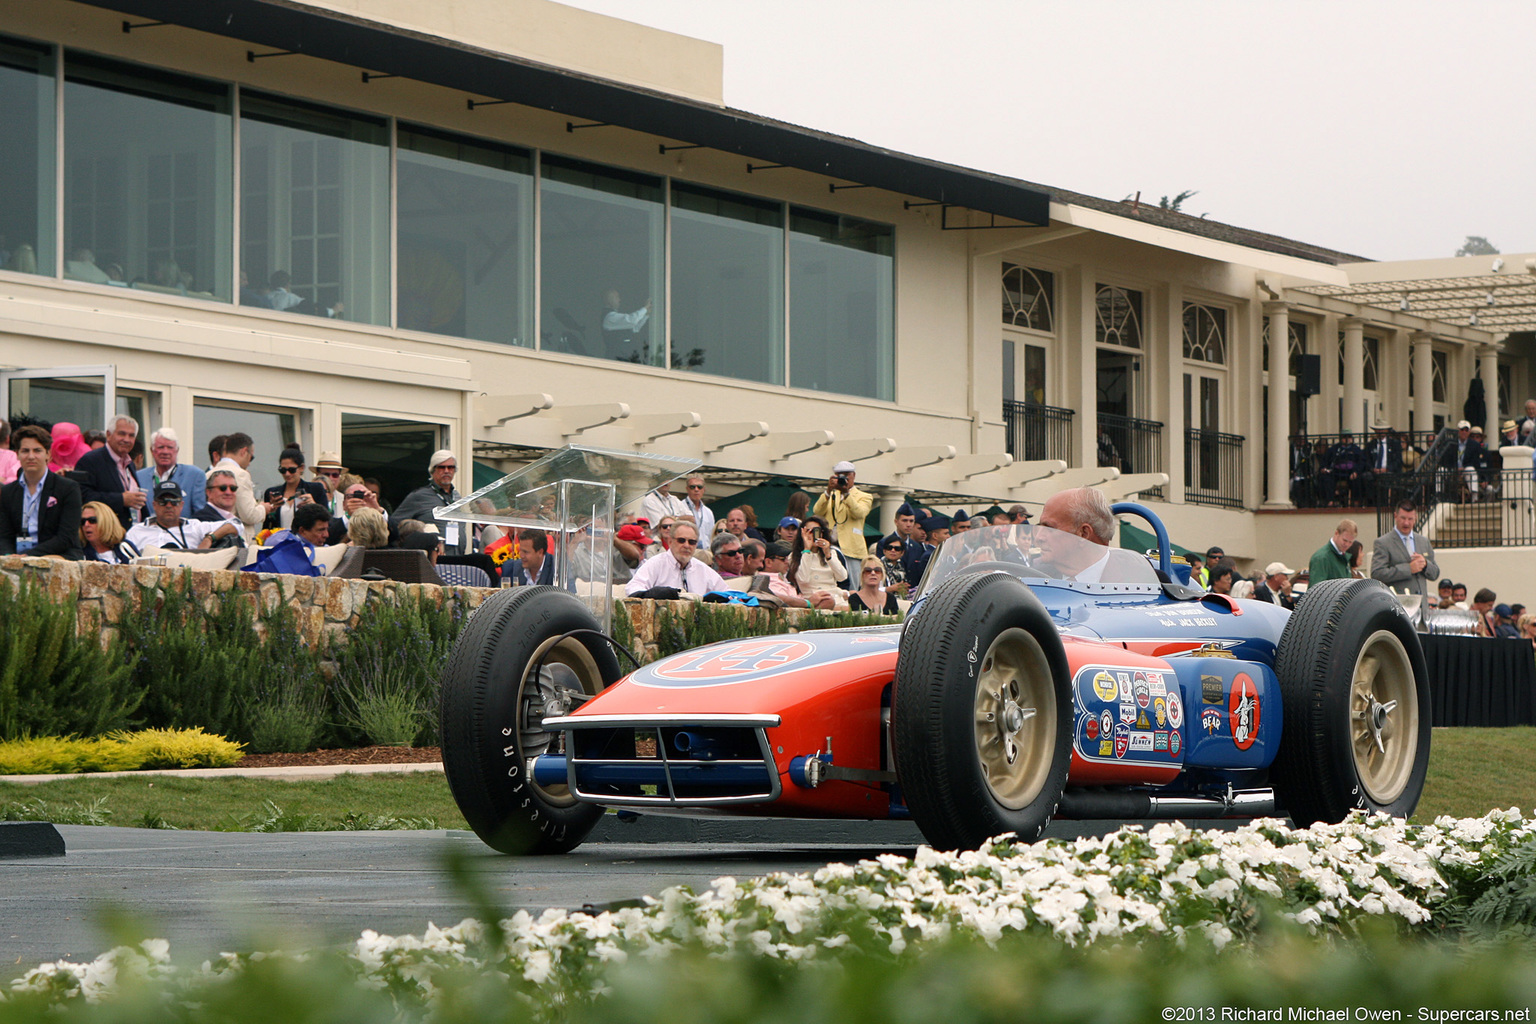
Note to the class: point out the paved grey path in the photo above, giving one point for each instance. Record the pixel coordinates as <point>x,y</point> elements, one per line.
<point>211,891</point>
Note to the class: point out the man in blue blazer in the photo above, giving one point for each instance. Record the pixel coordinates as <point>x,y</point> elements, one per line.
<point>109,475</point>
<point>39,510</point>
<point>535,564</point>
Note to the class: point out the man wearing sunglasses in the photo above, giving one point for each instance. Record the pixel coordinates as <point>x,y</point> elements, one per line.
<point>169,530</point>
<point>675,571</point>
<point>164,450</point>
<point>221,504</point>
<point>422,503</point>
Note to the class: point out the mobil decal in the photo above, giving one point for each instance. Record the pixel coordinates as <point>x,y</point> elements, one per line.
<point>1210,721</point>
<point>1122,739</point>
<point>1175,710</point>
<point>1128,713</point>
<point>1243,710</point>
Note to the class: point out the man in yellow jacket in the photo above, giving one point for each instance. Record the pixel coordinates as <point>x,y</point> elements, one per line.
<point>846,507</point>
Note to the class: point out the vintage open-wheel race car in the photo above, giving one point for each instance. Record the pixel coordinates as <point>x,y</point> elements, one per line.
<point>1012,694</point>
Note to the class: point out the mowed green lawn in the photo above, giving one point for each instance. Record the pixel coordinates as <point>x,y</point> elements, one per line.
<point>1471,771</point>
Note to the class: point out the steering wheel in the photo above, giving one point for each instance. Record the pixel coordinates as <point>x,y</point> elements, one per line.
<point>1013,568</point>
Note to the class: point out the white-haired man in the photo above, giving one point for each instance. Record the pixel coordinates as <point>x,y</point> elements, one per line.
<point>1084,512</point>
<point>109,472</point>
<point>164,451</point>
<point>422,503</point>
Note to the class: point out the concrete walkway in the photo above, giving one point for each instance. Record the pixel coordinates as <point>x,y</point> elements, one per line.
<point>317,771</point>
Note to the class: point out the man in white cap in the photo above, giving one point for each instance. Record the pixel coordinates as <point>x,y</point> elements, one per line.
<point>846,507</point>
<point>1275,587</point>
<point>422,503</point>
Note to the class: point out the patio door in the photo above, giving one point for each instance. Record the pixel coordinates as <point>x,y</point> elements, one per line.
<point>1202,422</point>
<point>82,395</point>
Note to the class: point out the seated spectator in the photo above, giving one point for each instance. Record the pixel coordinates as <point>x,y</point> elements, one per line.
<point>164,451</point>
<point>102,537</point>
<point>221,489</point>
<point>355,499</point>
<point>815,568</point>
<point>1459,596</point>
<point>892,550</point>
<point>169,530</point>
<point>1445,600</point>
<point>751,557</point>
<point>872,595</point>
<point>535,565</point>
<point>735,522</point>
<point>1482,604</point>
<point>1504,621</point>
<point>9,464</point>
<point>631,541</point>
<point>239,453</point>
<point>725,554</point>
<point>39,510</point>
<point>368,528</point>
<point>773,581</point>
<point>420,540</point>
<point>1222,578</point>
<point>788,530</point>
<point>1526,626</point>
<point>676,570</point>
<point>68,445</point>
<point>311,527</point>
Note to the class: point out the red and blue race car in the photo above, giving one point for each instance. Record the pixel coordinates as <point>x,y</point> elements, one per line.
<point>1037,676</point>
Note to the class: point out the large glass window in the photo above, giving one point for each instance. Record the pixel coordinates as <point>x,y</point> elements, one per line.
<point>602,233</point>
<point>841,304</point>
<point>464,238</point>
<point>314,226</point>
<point>271,431</point>
<point>1029,297</point>
<point>1117,316</point>
<point>147,179</point>
<point>27,171</point>
<point>727,284</point>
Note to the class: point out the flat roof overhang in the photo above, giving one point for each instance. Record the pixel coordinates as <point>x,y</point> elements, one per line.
<point>379,48</point>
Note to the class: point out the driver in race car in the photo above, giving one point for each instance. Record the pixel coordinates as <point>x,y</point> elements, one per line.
<point>1084,512</point>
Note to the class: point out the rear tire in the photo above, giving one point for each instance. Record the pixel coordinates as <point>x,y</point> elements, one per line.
<point>492,707</point>
<point>981,713</point>
<point>1356,696</point>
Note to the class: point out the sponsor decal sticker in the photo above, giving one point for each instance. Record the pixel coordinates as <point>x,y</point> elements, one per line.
<point>1143,695</point>
<point>1210,721</point>
<point>1104,686</point>
<point>1092,728</point>
<point>1141,721</point>
<point>1159,741</point>
<point>1141,741</point>
<point>1125,685</point>
<point>1127,713</point>
<point>735,660</point>
<point>1211,691</point>
<point>1122,739</point>
<point>1106,747</point>
<point>1174,743</point>
<point>1175,710</point>
<point>1107,723</point>
<point>1243,708</point>
<point>1155,684</point>
<point>1160,710</point>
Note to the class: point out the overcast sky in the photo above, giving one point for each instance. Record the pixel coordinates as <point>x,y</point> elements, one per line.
<point>1391,130</point>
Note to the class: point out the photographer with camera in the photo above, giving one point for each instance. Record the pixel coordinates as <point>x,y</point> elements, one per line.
<point>845,508</point>
<point>815,569</point>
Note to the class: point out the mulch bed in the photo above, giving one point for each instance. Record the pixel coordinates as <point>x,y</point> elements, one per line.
<point>357,755</point>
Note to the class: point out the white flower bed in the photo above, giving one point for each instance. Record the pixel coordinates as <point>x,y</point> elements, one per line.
<point>1167,880</point>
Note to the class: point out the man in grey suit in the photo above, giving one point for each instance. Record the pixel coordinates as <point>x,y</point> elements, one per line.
<point>1403,560</point>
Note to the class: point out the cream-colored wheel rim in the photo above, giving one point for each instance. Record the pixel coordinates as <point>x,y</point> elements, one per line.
<point>565,665</point>
<point>1383,717</point>
<point>1015,718</point>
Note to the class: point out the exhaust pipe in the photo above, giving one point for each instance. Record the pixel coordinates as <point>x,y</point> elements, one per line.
<point>1101,803</point>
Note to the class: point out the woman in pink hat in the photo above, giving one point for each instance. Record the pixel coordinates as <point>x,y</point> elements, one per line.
<point>67,448</point>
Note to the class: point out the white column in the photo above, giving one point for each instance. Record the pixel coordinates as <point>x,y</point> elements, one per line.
<point>1171,340</point>
<point>1354,375</point>
<point>1488,370</point>
<point>1081,349</point>
<point>1423,381</point>
<point>1279,455</point>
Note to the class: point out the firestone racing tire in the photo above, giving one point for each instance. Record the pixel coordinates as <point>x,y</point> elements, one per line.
<point>1356,697</point>
<point>981,717</point>
<point>493,704</point>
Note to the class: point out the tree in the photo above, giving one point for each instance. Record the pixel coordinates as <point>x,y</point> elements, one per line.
<point>1477,245</point>
<point>1177,202</point>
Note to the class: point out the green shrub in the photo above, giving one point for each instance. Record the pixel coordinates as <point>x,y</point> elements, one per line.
<point>698,623</point>
<point>54,681</point>
<point>286,704</point>
<point>386,684</point>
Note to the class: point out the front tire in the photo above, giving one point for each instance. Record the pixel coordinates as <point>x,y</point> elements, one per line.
<point>1356,696</point>
<point>981,713</point>
<point>492,707</point>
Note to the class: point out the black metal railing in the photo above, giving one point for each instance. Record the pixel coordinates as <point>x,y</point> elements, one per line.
<point>1343,470</point>
<point>1213,468</point>
<point>1465,506</point>
<point>1131,445</point>
<point>1038,431</point>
